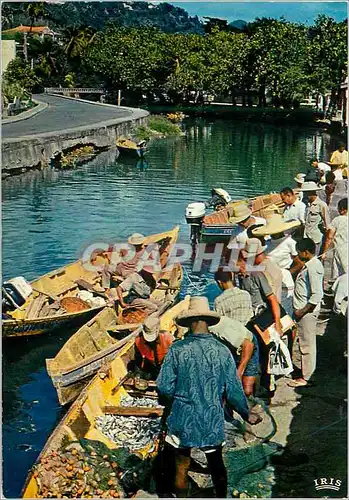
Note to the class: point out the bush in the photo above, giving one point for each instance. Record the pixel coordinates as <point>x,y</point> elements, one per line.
<point>163,126</point>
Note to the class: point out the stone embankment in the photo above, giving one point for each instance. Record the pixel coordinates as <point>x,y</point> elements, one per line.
<point>63,124</point>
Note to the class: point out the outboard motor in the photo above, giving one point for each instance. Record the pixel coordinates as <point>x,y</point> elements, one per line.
<point>219,197</point>
<point>194,214</point>
<point>15,292</point>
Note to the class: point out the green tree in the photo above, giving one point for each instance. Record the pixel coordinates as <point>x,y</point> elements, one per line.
<point>21,76</point>
<point>77,41</point>
<point>277,60</point>
<point>327,56</point>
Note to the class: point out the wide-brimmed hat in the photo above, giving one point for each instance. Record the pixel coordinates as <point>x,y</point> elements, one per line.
<point>136,239</point>
<point>310,186</point>
<point>240,212</point>
<point>300,178</point>
<point>151,328</point>
<point>198,309</point>
<point>275,224</point>
<point>253,247</point>
<point>271,209</point>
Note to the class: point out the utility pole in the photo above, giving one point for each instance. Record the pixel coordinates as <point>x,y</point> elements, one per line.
<point>25,48</point>
<point>119,97</point>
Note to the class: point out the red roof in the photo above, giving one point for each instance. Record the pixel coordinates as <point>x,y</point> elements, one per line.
<point>28,29</point>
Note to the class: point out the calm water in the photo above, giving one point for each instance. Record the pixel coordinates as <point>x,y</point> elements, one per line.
<point>50,217</point>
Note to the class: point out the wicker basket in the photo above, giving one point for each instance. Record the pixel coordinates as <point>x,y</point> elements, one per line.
<point>132,315</point>
<point>74,304</point>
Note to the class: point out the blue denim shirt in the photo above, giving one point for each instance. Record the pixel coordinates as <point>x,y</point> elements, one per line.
<point>197,373</point>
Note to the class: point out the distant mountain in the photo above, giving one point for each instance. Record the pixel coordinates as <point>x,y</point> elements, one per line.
<point>239,24</point>
<point>164,16</point>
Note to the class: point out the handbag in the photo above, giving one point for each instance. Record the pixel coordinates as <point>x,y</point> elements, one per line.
<point>279,359</point>
<point>264,323</point>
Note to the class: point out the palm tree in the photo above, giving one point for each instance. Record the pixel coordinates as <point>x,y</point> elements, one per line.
<point>35,11</point>
<point>78,40</point>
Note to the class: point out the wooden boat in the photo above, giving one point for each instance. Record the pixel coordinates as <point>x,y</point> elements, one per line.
<point>100,397</point>
<point>131,148</point>
<point>216,226</point>
<point>100,340</point>
<point>65,283</point>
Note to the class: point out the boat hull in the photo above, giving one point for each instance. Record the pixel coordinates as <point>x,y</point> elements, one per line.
<point>103,391</point>
<point>28,328</point>
<point>133,153</point>
<point>92,345</point>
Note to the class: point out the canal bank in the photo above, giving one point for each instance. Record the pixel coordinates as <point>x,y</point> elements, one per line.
<point>51,216</point>
<point>63,124</point>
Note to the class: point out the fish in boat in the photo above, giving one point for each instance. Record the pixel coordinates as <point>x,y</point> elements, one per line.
<point>87,417</point>
<point>42,312</point>
<point>101,339</point>
<point>215,227</point>
<point>131,148</point>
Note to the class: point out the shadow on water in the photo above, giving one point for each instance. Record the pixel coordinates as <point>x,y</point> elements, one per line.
<point>30,406</point>
<point>317,440</point>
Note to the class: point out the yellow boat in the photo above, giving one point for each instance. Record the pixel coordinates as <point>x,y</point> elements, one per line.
<point>100,397</point>
<point>100,340</point>
<point>65,283</point>
<point>131,148</point>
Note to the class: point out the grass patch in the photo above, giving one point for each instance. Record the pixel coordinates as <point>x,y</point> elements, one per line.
<point>158,126</point>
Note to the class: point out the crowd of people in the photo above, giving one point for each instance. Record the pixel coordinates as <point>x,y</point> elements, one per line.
<point>271,297</point>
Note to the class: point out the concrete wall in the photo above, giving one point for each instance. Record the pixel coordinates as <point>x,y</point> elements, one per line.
<point>32,151</point>
<point>8,53</point>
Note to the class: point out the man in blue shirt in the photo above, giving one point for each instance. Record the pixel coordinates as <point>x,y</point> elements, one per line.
<point>198,377</point>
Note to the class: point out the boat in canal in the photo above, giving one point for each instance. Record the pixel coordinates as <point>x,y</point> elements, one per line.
<point>131,148</point>
<point>102,396</point>
<point>216,227</point>
<point>54,299</point>
<point>101,339</point>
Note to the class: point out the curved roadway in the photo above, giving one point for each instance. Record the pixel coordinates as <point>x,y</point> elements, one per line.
<point>61,114</point>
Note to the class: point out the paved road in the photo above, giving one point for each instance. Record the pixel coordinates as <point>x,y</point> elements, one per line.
<point>61,114</point>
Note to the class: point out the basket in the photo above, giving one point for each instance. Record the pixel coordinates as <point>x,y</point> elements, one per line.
<point>132,315</point>
<point>74,304</point>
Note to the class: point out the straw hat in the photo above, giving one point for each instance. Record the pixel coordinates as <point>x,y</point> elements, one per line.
<point>198,309</point>
<point>275,224</point>
<point>253,247</point>
<point>136,239</point>
<point>300,178</point>
<point>271,209</point>
<point>151,328</point>
<point>240,212</point>
<point>310,186</point>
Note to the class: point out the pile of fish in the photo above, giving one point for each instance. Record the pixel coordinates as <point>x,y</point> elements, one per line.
<point>127,400</point>
<point>133,433</point>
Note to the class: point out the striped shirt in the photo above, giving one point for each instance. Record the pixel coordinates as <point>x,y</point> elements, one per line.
<point>236,304</point>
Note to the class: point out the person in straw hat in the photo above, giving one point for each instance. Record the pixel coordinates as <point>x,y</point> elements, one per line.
<point>281,248</point>
<point>151,347</point>
<point>317,216</point>
<point>242,216</point>
<point>299,181</point>
<point>129,265</point>
<point>198,373</point>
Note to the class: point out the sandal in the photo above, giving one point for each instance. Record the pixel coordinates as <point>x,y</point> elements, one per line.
<point>299,383</point>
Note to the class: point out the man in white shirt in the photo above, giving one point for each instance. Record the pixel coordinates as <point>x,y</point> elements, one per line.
<point>308,293</point>
<point>337,233</point>
<point>294,208</point>
<point>322,168</point>
<point>243,217</point>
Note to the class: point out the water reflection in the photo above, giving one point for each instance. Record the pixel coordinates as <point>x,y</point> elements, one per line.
<point>49,217</point>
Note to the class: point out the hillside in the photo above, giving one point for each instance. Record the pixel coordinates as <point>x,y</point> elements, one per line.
<point>96,14</point>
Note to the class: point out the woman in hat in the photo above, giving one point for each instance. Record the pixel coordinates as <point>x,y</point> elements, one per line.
<point>317,216</point>
<point>151,347</point>
<point>197,373</point>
